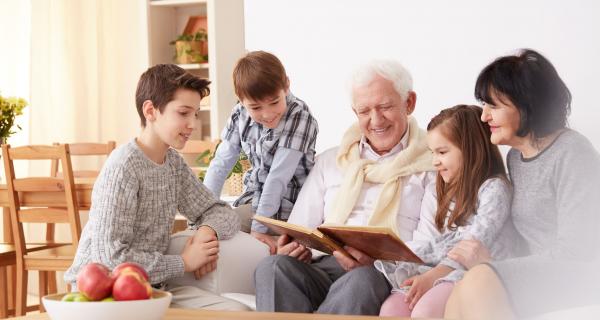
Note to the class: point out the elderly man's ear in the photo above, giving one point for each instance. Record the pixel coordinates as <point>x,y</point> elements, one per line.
<point>411,101</point>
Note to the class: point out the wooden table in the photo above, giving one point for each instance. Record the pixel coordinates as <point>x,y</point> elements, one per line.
<point>184,314</point>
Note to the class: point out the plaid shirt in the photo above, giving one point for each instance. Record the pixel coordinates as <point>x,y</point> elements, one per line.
<point>297,130</point>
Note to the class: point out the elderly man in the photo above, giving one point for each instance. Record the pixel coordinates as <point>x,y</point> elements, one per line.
<point>380,175</point>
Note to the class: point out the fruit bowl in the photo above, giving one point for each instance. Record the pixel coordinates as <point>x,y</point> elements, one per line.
<point>148,309</point>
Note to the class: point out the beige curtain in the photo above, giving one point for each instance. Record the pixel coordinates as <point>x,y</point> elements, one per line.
<point>86,57</point>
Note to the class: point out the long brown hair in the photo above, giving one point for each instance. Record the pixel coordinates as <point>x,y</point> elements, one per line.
<point>482,160</point>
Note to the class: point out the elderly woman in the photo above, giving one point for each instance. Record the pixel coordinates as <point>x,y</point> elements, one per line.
<point>555,172</point>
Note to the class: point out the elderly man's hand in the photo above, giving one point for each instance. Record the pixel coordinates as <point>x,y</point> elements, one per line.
<point>293,249</point>
<point>358,259</point>
<point>266,239</point>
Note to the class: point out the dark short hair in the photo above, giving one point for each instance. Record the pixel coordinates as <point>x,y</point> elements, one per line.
<point>259,75</point>
<point>159,83</point>
<point>532,84</point>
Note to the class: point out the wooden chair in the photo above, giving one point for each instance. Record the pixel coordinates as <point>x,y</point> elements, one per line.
<point>8,259</point>
<point>50,257</point>
<point>77,149</point>
<point>84,149</point>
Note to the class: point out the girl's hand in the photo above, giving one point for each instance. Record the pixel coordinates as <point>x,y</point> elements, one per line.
<point>419,285</point>
<point>470,253</point>
<point>266,239</point>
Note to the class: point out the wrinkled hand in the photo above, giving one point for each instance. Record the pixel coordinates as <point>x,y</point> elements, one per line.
<point>470,253</point>
<point>418,286</point>
<point>293,249</point>
<point>358,258</point>
<point>266,239</point>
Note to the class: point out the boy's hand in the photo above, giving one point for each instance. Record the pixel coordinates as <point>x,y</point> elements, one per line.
<point>266,239</point>
<point>293,249</point>
<point>205,234</point>
<point>196,254</point>
<point>207,268</point>
<point>360,259</point>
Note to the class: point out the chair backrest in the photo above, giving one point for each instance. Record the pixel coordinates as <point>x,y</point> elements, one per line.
<point>84,149</point>
<point>49,199</point>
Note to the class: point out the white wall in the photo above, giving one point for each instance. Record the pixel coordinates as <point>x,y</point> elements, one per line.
<point>14,59</point>
<point>443,43</point>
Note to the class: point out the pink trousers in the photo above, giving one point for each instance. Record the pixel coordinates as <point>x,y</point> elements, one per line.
<point>431,304</point>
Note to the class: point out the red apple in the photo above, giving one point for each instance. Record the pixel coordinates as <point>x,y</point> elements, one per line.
<point>94,281</point>
<point>130,285</point>
<point>130,266</point>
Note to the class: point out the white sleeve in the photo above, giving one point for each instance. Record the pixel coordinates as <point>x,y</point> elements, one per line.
<point>309,208</point>
<point>426,230</point>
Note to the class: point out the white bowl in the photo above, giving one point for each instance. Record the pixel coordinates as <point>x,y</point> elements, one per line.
<point>149,309</point>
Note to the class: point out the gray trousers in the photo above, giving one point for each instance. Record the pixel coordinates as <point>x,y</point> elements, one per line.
<point>284,284</point>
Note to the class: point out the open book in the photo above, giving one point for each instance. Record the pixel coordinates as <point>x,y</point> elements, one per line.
<point>377,242</point>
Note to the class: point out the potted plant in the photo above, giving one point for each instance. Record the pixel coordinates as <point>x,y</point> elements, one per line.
<point>191,48</point>
<point>10,108</point>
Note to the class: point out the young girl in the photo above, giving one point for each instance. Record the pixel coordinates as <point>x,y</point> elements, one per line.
<point>473,196</point>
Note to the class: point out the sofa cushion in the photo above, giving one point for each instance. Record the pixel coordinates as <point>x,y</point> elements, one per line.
<point>238,258</point>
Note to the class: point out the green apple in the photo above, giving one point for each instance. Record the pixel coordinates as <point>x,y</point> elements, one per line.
<point>108,299</point>
<point>74,297</point>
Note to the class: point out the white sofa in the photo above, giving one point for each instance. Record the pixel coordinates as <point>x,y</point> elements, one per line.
<point>580,313</point>
<point>234,276</point>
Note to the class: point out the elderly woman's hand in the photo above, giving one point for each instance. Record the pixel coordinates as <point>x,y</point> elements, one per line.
<point>470,253</point>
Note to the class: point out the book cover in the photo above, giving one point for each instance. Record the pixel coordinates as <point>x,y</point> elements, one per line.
<point>378,243</point>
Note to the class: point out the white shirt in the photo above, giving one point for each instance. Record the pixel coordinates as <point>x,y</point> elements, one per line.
<point>416,213</point>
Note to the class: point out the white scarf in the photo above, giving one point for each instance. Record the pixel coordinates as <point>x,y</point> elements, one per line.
<point>413,159</point>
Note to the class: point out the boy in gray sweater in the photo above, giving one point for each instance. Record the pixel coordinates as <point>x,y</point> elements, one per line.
<point>145,183</point>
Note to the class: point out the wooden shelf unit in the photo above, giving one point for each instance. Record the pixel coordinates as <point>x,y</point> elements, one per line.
<point>225,29</point>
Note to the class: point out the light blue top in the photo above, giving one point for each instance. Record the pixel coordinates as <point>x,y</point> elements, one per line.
<point>282,170</point>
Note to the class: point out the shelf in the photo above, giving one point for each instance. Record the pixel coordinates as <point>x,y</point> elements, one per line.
<point>194,66</point>
<point>166,20</point>
<point>176,3</point>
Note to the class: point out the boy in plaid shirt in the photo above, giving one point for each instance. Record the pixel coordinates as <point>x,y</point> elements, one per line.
<point>277,132</point>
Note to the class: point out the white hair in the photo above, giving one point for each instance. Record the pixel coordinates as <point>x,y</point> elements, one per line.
<point>388,69</point>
